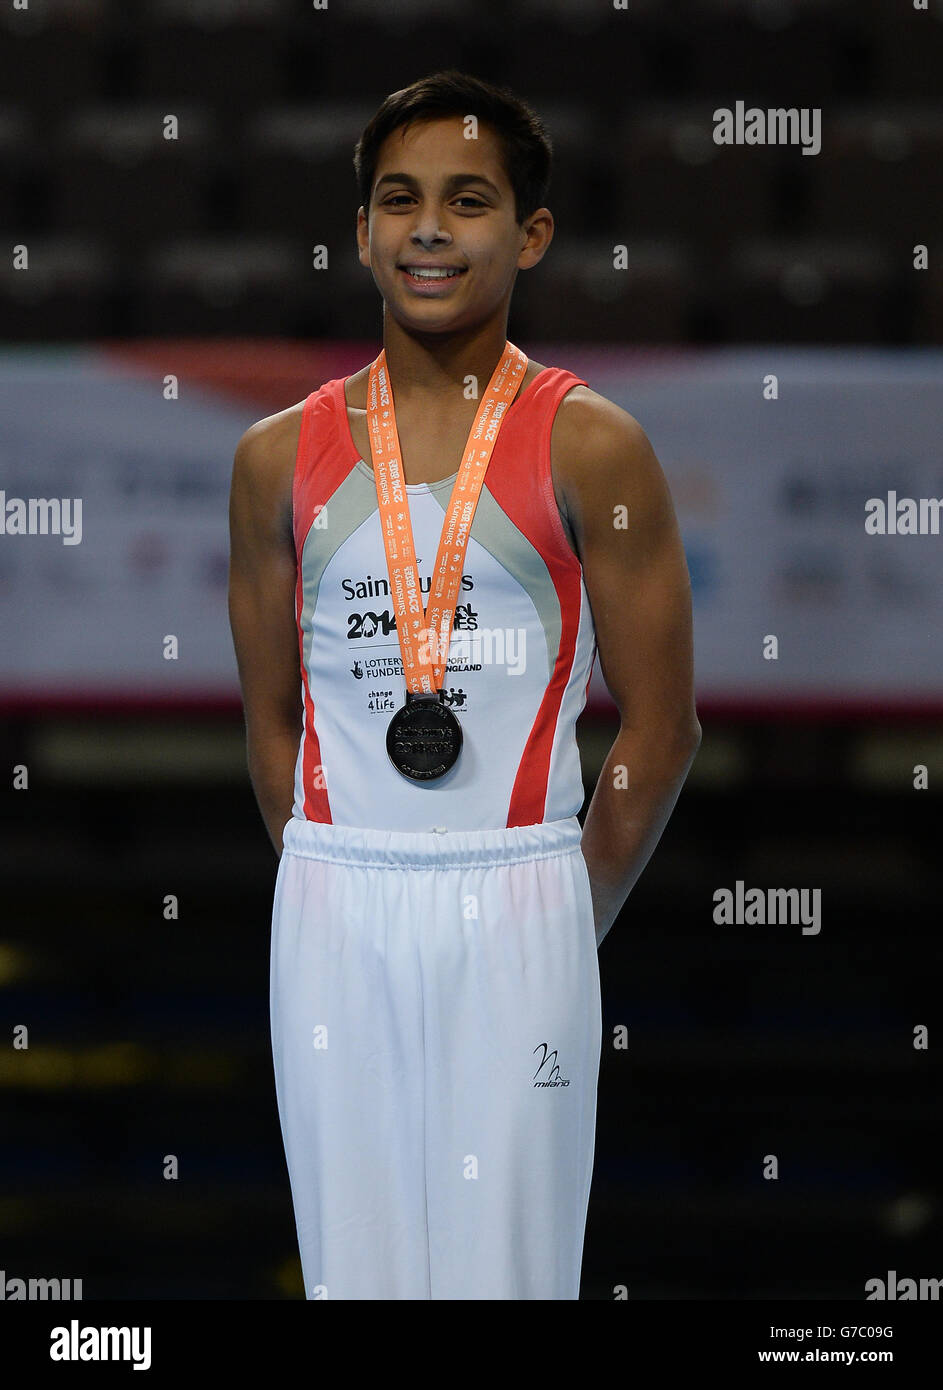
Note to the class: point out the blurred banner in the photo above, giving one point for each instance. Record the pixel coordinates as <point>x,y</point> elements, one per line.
<point>772,455</point>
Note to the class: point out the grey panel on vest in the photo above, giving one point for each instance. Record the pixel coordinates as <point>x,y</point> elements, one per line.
<point>494,529</point>
<point>349,506</point>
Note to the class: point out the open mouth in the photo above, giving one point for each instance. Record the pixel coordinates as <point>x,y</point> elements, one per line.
<point>433,272</point>
<point>431,276</point>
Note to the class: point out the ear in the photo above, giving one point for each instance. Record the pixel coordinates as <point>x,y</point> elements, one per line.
<point>363,237</point>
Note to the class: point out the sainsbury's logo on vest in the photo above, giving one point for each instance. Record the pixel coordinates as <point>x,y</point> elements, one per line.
<point>380,588</point>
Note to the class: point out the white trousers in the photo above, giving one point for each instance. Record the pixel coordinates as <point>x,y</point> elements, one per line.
<point>436,1033</point>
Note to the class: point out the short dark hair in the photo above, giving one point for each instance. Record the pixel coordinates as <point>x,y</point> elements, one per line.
<point>528,152</point>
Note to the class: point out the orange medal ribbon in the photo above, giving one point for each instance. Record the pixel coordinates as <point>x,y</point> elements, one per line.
<point>424,636</point>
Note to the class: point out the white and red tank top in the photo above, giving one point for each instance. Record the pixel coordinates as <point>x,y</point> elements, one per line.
<point>522,647</point>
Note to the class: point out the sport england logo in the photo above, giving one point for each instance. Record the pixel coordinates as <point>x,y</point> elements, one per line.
<point>548,1065</point>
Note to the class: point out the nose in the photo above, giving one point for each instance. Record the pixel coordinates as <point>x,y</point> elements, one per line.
<point>427,230</point>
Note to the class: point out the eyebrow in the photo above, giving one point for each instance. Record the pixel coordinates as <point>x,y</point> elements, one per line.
<point>453,181</point>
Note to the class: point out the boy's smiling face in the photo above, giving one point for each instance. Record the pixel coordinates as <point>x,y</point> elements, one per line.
<point>443,203</point>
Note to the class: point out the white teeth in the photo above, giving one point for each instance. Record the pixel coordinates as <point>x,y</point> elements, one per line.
<point>440,273</point>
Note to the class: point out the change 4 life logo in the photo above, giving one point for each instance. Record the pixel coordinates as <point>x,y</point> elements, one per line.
<point>379,701</point>
<point>548,1072</point>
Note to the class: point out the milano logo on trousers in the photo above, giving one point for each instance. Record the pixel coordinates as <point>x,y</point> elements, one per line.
<point>548,1065</point>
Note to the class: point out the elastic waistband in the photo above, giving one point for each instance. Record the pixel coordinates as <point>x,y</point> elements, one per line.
<point>447,849</point>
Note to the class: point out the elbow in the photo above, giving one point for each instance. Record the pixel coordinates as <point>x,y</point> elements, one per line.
<point>677,739</point>
<point>689,738</point>
<point>685,746</point>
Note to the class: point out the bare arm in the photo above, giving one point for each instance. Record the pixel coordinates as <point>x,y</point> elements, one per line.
<point>637,580</point>
<point>262,574</point>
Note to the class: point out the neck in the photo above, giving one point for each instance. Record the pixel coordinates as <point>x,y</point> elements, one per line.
<point>430,367</point>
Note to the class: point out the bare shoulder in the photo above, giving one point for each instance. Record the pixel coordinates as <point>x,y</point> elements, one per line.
<point>264,463</point>
<point>269,446</point>
<point>601,457</point>
<point>592,433</point>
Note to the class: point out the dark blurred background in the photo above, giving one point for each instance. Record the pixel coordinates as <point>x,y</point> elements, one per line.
<point>190,259</point>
